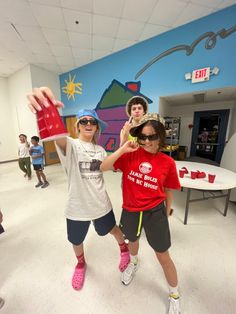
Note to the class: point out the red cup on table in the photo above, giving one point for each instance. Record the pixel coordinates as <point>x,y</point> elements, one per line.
<point>211,178</point>
<point>194,174</point>
<point>50,124</point>
<point>181,173</point>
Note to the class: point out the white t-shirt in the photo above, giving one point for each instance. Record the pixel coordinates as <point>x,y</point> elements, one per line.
<point>23,150</point>
<point>88,198</point>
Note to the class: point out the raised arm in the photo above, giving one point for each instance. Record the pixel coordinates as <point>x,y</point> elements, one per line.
<point>39,97</point>
<point>124,133</point>
<point>109,161</point>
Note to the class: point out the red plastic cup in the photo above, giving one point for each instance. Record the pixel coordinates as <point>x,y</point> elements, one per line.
<point>181,173</point>
<point>194,174</point>
<point>185,169</point>
<point>50,124</point>
<point>211,178</point>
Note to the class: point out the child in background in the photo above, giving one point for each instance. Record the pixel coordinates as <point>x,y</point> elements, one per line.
<point>24,156</point>
<point>37,154</point>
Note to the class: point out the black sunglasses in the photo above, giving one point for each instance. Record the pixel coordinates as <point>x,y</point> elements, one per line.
<point>87,121</point>
<point>143,137</point>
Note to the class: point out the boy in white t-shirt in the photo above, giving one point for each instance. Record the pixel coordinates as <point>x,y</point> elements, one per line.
<point>88,200</point>
<point>24,156</point>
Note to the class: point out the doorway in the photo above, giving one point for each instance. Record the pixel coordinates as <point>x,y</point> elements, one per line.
<point>209,133</point>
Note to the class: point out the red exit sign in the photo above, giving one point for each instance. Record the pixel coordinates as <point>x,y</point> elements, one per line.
<point>201,75</point>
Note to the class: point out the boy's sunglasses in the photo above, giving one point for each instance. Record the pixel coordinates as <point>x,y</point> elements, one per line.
<point>143,137</point>
<point>87,121</point>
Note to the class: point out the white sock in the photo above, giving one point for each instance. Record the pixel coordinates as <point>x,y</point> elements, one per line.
<point>174,292</point>
<point>134,259</point>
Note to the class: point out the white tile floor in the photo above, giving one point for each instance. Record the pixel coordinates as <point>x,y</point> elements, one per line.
<point>36,261</point>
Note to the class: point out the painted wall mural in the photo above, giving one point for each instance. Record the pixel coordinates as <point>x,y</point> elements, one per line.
<point>71,87</point>
<point>111,109</point>
<point>210,44</point>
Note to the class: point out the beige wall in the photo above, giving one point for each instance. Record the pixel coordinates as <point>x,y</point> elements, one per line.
<point>15,117</point>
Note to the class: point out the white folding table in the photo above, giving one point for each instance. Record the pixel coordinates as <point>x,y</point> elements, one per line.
<point>225,180</point>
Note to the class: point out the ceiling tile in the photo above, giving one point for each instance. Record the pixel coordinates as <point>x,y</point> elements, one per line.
<point>55,68</point>
<point>209,3</point>
<point>84,19</point>
<point>98,54</point>
<point>18,12</point>
<point>191,12</point>
<point>48,16</point>
<point>166,12</point>
<point>61,51</point>
<point>56,37</point>
<point>82,61</point>
<point>122,43</point>
<point>81,53</point>
<point>32,33</point>
<point>105,26</point>
<point>226,3</point>
<point>66,68</point>
<point>102,43</point>
<point>151,30</point>
<point>112,8</point>
<point>47,2</point>
<point>130,30</point>
<point>40,48</point>
<point>80,40</point>
<point>138,10</point>
<point>45,59</point>
<point>79,5</point>
<point>65,61</point>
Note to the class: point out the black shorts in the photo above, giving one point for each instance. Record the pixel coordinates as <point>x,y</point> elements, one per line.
<point>38,167</point>
<point>78,229</point>
<point>155,224</point>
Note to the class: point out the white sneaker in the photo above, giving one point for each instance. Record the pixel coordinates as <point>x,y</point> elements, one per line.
<point>174,306</point>
<point>128,275</point>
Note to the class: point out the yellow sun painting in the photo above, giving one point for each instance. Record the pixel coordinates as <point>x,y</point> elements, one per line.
<point>71,88</point>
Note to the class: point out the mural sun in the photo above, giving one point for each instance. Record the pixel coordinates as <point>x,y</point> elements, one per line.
<point>71,88</point>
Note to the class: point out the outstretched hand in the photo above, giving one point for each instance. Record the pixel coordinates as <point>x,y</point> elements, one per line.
<point>41,97</point>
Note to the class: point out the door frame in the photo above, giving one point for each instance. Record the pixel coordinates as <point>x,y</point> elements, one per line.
<point>224,115</point>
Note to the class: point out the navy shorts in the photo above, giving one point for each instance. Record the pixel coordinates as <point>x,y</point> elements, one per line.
<point>38,167</point>
<point>155,224</point>
<point>77,229</point>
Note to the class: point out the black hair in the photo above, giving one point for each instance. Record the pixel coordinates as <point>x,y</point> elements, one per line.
<point>157,126</point>
<point>35,138</point>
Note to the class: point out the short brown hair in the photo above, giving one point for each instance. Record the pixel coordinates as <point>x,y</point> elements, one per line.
<point>134,101</point>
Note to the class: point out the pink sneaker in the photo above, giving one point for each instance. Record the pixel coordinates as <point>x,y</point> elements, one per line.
<point>78,278</point>
<point>124,260</point>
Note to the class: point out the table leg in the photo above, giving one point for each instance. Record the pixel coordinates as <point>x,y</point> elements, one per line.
<point>187,206</point>
<point>227,202</point>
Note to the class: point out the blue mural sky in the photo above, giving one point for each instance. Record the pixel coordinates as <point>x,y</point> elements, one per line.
<point>165,77</point>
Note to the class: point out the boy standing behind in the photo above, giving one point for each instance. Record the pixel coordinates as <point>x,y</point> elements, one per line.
<point>37,153</point>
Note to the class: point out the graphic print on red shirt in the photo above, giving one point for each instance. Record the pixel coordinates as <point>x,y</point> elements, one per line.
<point>145,176</point>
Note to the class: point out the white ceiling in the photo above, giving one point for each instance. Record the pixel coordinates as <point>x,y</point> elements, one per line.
<point>200,97</point>
<point>45,33</point>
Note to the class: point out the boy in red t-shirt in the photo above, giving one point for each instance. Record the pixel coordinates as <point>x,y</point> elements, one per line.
<point>148,179</point>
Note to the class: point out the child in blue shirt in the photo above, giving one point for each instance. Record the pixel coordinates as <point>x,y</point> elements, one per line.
<point>37,154</point>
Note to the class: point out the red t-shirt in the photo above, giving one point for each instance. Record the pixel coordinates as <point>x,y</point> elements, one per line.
<point>145,176</point>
